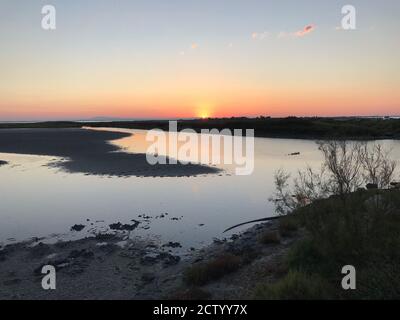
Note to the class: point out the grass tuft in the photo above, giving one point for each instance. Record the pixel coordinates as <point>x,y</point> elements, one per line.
<point>295,286</point>
<point>270,237</point>
<point>203,273</point>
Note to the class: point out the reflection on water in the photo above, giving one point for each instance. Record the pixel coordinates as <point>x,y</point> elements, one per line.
<point>36,200</point>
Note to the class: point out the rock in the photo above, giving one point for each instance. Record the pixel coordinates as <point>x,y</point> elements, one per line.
<point>106,237</point>
<point>218,241</point>
<point>371,186</point>
<point>169,259</point>
<point>124,227</point>
<point>235,237</point>
<point>149,259</point>
<point>2,163</point>
<point>172,245</point>
<point>395,185</point>
<point>77,227</point>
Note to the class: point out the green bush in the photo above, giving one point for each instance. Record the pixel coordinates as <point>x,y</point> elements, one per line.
<point>288,225</point>
<point>360,229</point>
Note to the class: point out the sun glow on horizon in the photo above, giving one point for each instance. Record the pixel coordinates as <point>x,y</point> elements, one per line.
<point>204,110</point>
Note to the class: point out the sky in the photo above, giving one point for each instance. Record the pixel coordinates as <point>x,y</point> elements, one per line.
<point>198,58</point>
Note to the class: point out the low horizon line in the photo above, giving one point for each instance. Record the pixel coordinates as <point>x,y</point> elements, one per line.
<point>115,119</point>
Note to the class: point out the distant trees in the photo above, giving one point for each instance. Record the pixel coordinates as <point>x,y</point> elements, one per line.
<point>347,166</point>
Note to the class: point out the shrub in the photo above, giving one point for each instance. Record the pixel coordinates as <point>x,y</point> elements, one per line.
<point>287,226</point>
<point>270,237</point>
<point>295,286</point>
<point>203,273</point>
<point>361,229</point>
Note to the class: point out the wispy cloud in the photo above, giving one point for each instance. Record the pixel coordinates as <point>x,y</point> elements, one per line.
<point>283,34</point>
<point>306,30</point>
<point>297,34</point>
<point>260,35</point>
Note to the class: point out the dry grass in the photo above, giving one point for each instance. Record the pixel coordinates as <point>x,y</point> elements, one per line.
<point>203,273</point>
<point>270,237</point>
<point>287,226</point>
<point>294,286</point>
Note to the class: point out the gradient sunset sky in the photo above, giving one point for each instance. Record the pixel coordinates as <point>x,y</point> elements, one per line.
<point>198,58</point>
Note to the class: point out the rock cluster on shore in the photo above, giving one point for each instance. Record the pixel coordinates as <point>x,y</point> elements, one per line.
<point>133,269</point>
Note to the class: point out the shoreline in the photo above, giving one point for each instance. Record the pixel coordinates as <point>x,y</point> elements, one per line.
<point>88,152</point>
<point>314,128</point>
<point>109,267</point>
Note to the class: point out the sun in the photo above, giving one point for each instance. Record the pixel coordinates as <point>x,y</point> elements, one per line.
<point>203,110</point>
<point>204,114</point>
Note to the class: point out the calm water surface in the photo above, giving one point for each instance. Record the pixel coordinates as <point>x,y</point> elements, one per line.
<point>36,200</point>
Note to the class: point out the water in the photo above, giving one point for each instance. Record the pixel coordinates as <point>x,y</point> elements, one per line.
<point>36,200</point>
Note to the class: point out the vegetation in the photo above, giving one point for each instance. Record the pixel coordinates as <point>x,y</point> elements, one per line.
<point>203,273</point>
<point>290,127</point>
<point>295,286</point>
<point>346,168</point>
<point>343,225</point>
<point>270,237</point>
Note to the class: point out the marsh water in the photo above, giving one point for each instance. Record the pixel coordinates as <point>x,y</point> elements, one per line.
<point>41,201</point>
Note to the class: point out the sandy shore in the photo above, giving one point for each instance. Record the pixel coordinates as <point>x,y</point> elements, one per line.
<point>88,152</point>
<point>110,267</point>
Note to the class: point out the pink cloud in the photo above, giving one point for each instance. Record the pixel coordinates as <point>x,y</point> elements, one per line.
<point>306,30</point>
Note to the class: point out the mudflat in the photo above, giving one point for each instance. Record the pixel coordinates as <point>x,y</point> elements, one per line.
<point>89,152</point>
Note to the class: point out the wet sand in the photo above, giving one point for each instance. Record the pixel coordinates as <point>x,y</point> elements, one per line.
<point>87,151</point>
<point>110,266</point>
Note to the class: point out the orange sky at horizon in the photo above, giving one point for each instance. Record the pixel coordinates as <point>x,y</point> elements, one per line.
<point>251,102</point>
<point>197,61</point>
